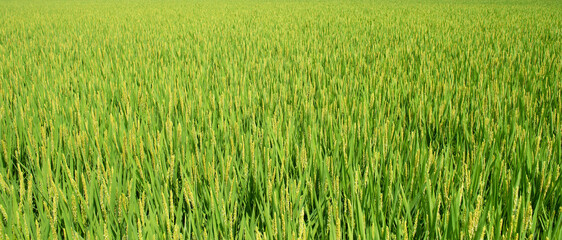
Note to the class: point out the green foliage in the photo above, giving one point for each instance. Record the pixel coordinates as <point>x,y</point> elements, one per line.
<point>310,120</point>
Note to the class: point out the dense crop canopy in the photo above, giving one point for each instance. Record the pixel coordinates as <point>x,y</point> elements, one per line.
<point>280,120</point>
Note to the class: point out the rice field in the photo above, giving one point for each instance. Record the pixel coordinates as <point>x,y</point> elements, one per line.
<point>280,120</point>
